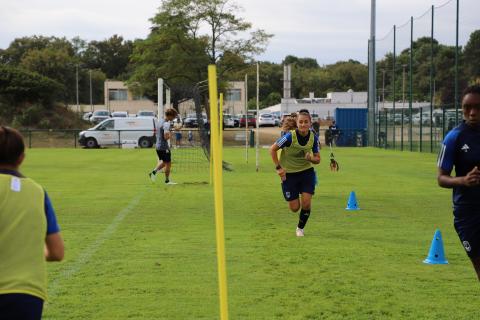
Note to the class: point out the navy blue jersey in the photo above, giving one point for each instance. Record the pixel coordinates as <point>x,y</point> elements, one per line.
<point>461,150</point>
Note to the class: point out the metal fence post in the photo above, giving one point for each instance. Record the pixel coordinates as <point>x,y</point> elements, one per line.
<point>431,81</point>
<point>386,128</point>
<point>119,143</point>
<point>29,138</point>
<point>421,128</point>
<point>410,85</point>
<point>401,130</point>
<point>393,81</point>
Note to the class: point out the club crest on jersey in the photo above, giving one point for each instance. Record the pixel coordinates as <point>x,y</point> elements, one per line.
<point>466,245</point>
<point>465,148</point>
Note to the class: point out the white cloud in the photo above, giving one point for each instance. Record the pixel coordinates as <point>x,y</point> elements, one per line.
<point>328,30</point>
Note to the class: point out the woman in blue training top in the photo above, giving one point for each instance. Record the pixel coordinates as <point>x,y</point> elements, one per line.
<point>29,235</point>
<point>461,150</point>
<point>299,150</point>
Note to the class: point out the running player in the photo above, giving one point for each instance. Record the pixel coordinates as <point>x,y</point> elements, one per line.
<point>163,146</point>
<point>299,151</point>
<point>461,150</point>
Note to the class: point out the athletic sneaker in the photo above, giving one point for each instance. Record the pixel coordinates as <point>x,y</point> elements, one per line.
<point>152,176</point>
<point>170,182</point>
<point>299,232</point>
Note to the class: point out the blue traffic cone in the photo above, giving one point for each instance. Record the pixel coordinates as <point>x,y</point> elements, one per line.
<point>352,202</point>
<point>436,255</point>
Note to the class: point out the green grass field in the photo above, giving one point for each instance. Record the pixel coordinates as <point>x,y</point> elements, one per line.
<point>137,250</point>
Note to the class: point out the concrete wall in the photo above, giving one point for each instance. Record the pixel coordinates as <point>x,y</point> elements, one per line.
<point>130,105</point>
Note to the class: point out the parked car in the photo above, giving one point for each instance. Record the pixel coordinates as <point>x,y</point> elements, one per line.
<point>145,114</point>
<point>277,120</point>
<point>228,121</point>
<point>119,114</point>
<point>236,121</point>
<point>191,120</point>
<point>116,130</point>
<point>252,121</point>
<point>99,116</point>
<point>426,120</point>
<point>86,116</point>
<point>266,119</point>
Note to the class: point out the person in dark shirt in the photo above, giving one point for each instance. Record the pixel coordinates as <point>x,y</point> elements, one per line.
<point>461,150</point>
<point>334,132</point>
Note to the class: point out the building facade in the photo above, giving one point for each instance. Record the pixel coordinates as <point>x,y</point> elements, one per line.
<point>119,98</point>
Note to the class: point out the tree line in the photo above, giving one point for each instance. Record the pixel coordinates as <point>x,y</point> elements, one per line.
<point>38,74</point>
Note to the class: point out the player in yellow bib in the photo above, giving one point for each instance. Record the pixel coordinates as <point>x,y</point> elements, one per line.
<point>29,235</point>
<point>299,150</point>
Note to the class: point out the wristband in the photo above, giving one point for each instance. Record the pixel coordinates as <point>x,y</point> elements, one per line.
<point>278,167</point>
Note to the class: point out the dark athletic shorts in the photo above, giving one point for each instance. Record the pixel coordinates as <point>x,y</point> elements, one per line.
<point>297,183</point>
<point>17,306</point>
<point>468,230</point>
<point>164,155</point>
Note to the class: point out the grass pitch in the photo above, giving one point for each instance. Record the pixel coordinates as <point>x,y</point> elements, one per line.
<point>137,250</point>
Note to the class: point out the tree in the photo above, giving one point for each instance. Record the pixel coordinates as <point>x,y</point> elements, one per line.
<point>178,50</point>
<point>20,47</point>
<point>18,86</point>
<point>471,54</point>
<point>169,52</point>
<point>110,56</point>
<point>223,25</point>
<point>54,64</point>
<point>308,63</point>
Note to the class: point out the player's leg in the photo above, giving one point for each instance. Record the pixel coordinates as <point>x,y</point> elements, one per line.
<point>294,205</point>
<point>159,166</point>
<point>305,212</point>
<point>167,159</point>
<point>307,190</point>
<point>168,166</point>
<point>468,230</point>
<point>476,265</point>
<point>291,193</point>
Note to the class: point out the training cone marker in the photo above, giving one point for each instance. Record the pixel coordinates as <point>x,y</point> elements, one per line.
<point>352,202</point>
<point>436,255</point>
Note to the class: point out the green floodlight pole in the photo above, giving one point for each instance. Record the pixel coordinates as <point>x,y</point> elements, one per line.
<point>431,81</point>
<point>393,80</point>
<point>410,85</point>
<point>372,95</point>
<point>456,65</point>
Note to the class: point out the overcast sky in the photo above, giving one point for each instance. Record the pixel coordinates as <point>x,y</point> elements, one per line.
<point>327,30</point>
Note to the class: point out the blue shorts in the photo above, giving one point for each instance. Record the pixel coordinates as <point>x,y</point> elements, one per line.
<point>20,306</point>
<point>468,230</point>
<point>299,182</point>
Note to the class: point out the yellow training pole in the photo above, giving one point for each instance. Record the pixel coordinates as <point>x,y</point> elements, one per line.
<point>211,151</point>
<point>218,188</point>
<point>221,118</point>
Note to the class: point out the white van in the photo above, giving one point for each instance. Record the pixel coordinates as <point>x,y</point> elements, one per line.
<point>115,130</point>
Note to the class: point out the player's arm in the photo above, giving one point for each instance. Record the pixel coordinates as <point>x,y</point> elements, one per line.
<point>445,180</point>
<point>54,248</point>
<point>284,141</point>
<point>314,156</point>
<point>166,131</point>
<point>276,162</point>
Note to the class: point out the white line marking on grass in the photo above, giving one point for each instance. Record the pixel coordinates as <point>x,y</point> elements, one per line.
<point>87,254</point>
